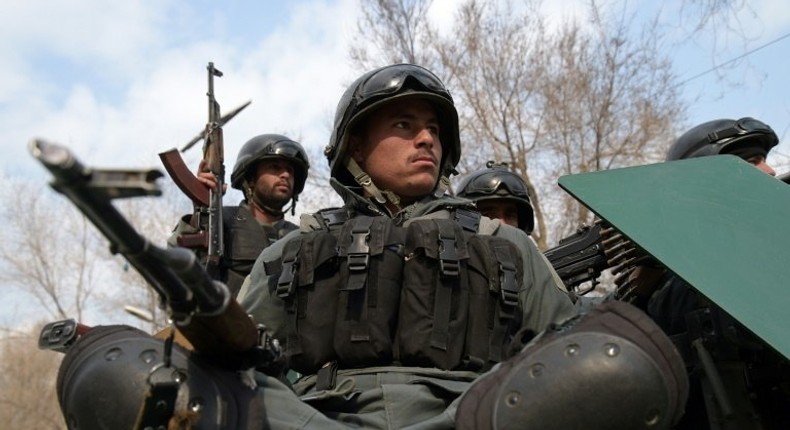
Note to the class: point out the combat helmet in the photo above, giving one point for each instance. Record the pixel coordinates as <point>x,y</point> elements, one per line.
<point>723,136</point>
<point>374,89</point>
<point>496,181</point>
<point>271,146</point>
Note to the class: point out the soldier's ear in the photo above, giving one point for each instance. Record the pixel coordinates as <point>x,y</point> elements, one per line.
<point>355,148</point>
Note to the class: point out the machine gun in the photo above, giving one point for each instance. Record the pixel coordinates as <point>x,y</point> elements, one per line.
<point>583,256</point>
<point>200,307</point>
<point>580,257</point>
<point>207,203</point>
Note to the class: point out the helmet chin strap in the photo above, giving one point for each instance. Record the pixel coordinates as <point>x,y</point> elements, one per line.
<point>384,196</point>
<point>279,213</point>
<point>367,184</point>
<point>442,187</point>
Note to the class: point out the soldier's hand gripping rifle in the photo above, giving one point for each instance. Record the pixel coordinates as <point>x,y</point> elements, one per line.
<point>201,308</point>
<point>207,202</point>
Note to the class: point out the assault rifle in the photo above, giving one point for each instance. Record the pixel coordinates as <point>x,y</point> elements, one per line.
<point>207,203</point>
<point>201,308</point>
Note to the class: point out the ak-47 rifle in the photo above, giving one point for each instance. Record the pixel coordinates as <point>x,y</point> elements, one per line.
<point>202,309</point>
<point>207,202</point>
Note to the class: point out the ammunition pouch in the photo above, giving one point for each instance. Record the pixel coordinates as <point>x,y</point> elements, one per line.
<point>367,293</point>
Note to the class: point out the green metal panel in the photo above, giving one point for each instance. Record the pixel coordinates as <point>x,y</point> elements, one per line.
<point>718,222</point>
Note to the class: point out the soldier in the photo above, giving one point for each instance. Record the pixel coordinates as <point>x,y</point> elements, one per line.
<point>271,171</point>
<point>745,386</point>
<point>499,193</point>
<point>405,307</point>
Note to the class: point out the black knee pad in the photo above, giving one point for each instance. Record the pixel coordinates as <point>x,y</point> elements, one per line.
<point>104,379</point>
<point>611,368</point>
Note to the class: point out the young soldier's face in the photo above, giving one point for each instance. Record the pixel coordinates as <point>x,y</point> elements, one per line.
<point>400,148</point>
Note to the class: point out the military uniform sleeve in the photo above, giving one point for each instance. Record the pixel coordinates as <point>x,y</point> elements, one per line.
<point>543,297</point>
<point>257,296</point>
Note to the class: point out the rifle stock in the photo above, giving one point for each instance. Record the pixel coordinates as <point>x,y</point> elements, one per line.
<point>202,309</point>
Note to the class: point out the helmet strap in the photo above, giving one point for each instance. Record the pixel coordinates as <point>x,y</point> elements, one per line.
<point>276,213</point>
<point>384,196</point>
<point>442,187</point>
<point>364,180</point>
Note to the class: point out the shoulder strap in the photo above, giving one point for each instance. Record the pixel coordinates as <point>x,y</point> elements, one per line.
<point>330,219</point>
<point>468,218</point>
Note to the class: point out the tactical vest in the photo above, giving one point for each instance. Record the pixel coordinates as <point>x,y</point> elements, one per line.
<point>363,291</point>
<point>245,238</point>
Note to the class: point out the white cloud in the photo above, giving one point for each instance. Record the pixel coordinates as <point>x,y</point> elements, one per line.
<point>153,80</point>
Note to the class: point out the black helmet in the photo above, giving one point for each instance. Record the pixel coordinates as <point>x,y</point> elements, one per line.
<point>496,181</point>
<point>723,136</point>
<point>105,376</point>
<point>381,86</point>
<point>268,146</point>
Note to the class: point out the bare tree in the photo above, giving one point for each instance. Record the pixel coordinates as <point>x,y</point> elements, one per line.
<point>397,26</point>
<point>53,255</point>
<point>607,99</point>
<point>491,58</point>
<point>48,251</point>
<point>547,102</point>
<point>27,383</point>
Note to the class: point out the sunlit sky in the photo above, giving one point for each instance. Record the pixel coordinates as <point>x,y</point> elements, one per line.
<point>120,81</point>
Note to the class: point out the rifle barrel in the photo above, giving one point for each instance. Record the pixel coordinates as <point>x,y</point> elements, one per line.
<point>181,281</point>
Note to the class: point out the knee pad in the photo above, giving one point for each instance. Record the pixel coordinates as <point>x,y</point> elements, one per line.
<point>104,379</point>
<point>611,368</point>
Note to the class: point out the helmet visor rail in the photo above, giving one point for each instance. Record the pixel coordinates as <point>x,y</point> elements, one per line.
<point>285,149</point>
<point>391,80</point>
<point>742,127</point>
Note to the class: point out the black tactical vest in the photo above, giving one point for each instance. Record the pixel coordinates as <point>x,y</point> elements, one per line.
<point>245,238</point>
<point>364,292</point>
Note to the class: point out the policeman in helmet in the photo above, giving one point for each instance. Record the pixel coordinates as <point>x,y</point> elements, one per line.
<point>747,138</point>
<point>672,302</point>
<point>279,157</point>
<point>271,171</point>
<point>499,193</point>
<point>335,296</point>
